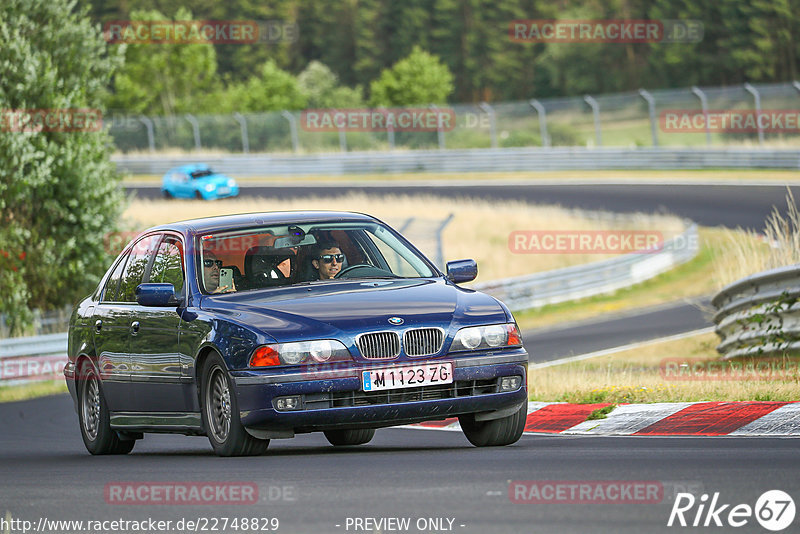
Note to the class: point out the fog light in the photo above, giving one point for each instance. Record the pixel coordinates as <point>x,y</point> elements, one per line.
<point>510,383</point>
<point>288,403</point>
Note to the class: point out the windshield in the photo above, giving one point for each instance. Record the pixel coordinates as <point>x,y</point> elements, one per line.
<point>201,173</point>
<point>284,255</point>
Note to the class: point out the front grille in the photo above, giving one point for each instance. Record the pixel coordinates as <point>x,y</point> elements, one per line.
<point>379,345</point>
<point>423,341</point>
<point>347,399</point>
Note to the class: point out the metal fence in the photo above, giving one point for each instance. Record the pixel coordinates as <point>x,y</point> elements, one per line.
<point>616,120</point>
<point>760,315</point>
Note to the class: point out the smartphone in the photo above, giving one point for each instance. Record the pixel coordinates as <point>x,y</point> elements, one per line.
<point>226,279</point>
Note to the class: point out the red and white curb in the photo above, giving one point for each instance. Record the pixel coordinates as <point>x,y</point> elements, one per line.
<point>664,419</point>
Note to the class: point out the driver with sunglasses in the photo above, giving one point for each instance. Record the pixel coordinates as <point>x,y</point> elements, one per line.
<point>328,260</point>
<point>211,267</point>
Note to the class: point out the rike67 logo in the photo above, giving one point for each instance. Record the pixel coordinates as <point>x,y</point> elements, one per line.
<point>774,510</point>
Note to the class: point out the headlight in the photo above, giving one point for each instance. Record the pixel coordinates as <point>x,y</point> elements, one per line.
<point>486,337</point>
<point>209,187</point>
<point>300,352</point>
<point>231,183</point>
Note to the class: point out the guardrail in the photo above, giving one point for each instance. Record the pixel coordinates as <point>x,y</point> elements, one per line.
<point>571,283</point>
<point>760,315</point>
<point>27,359</point>
<point>468,160</point>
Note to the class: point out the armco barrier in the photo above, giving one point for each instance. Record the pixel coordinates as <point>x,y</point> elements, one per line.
<point>571,283</point>
<point>27,359</point>
<point>760,314</point>
<point>468,160</point>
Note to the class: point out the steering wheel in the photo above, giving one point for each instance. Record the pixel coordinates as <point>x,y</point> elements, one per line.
<point>341,273</point>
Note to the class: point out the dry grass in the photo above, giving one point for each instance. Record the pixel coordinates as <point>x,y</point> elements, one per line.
<point>747,252</point>
<point>478,230</point>
<point>30,391</point>
<point>640,376</point>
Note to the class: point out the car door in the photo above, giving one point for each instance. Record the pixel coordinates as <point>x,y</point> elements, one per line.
<point>114,320</point>
<point>155,360</point>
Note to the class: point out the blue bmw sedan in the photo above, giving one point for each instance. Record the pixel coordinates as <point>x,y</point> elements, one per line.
<point>254,327</point>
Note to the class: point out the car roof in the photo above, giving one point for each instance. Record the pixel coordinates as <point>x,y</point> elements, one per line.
<point>191,167</point>
<point>249,220</point>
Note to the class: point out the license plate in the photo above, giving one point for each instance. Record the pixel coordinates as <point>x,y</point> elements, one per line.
<point>224,190</point>
<point>407,377</point>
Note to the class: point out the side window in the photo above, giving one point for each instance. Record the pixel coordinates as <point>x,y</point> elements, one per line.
<point>140,256</point>
<point>168,265</point>
<point>112,284</point>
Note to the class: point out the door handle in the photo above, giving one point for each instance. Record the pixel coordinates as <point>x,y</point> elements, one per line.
<point>98,325</point>
<point>135,327</point>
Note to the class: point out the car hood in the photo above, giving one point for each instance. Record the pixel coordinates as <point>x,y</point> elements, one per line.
<point>342,309</point>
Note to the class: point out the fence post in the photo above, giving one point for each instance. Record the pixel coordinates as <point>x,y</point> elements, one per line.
<point>195,129</point>
<point>704,106</point>
<point>651,108</point>
<point>542,120</point>
<point>439,249</point>
<point>439,129</point>
<point>596,112</point>
<point>389,128</point>
<point>293,128</point>
<point>492,122</point>
<point>757,97</point>
<point>342,140</point>
<point>243,124</point>
<point>150,135</point>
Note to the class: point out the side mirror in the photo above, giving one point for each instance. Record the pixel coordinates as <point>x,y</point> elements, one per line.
<point>462,270</point>
<point>156,295</point>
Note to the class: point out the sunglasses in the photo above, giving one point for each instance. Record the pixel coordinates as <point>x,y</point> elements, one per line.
<point>211,263</point>
<point>328,258</point>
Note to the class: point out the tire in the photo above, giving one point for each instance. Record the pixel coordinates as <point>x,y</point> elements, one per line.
<point>497,432</point>
<point>198,195</point>
<point>220,412</point>
<point>166,194</point>
<point>341,438</point>
<point>93,417</point>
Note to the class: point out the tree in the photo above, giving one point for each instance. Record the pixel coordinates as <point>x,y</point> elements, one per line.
<point>165,79</point>
<point>59,192</point>
<point>273,89</point>
<point>418,79</point>
<point>322,89</point>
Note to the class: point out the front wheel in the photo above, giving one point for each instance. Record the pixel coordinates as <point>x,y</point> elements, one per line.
<point>340,438</point>
<point>220,414</point>
<point>497,432</point>
<point>96,431</point>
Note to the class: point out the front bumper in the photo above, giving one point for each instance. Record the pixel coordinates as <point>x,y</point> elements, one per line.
<point>333,398</point>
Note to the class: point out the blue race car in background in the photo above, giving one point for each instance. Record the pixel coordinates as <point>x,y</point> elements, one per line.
<point>197,181</point>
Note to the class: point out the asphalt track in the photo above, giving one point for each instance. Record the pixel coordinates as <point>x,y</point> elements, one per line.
<point>710,205</point>
<point>404,473</point>
<point>312,487</point>
<point>547,344</point>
